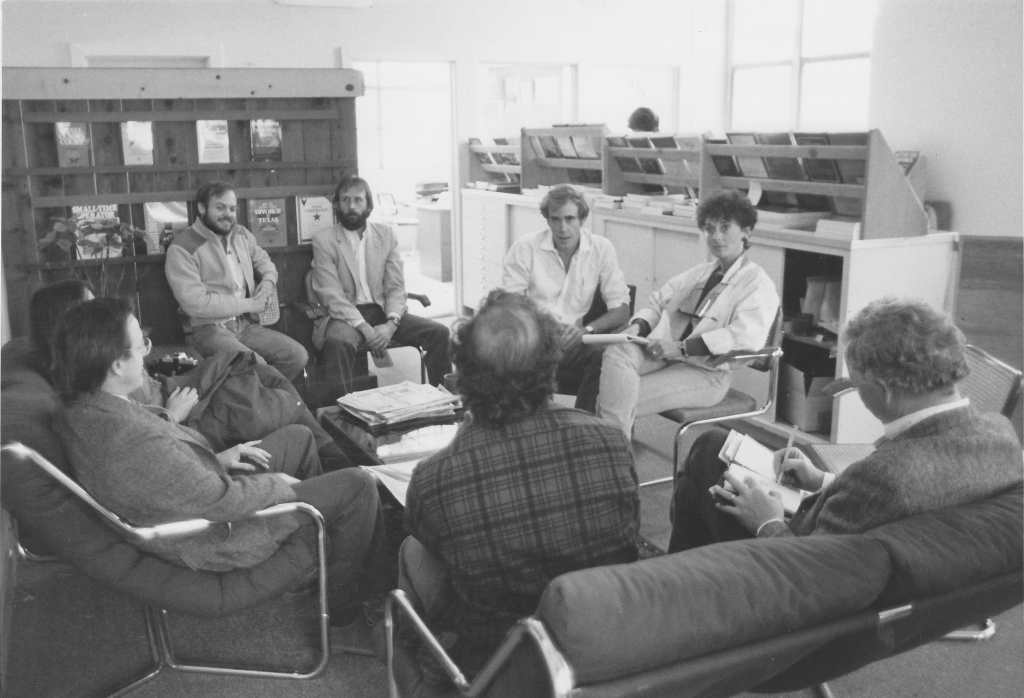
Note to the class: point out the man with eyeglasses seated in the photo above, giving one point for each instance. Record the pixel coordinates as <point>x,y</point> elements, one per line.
<point>938,451</point>
<point>712,309</point>
<point>152,471</point>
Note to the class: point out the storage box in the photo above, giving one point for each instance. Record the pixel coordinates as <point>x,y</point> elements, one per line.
<point>802,402</point>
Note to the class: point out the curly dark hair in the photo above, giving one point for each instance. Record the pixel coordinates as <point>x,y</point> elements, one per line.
<point>643,119</point>
<point>907,345</point>
<point>505,358</point>
<point>729,205</point>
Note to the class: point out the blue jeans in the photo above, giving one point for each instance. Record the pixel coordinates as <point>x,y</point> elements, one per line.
<point>279,350</point>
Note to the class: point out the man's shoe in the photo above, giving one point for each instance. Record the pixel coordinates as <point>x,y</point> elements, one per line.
<point>355,638</point>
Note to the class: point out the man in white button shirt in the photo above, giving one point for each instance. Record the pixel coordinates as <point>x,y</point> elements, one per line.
<point>223,279</point>
<point>560,269</point>
<point>358,277</point>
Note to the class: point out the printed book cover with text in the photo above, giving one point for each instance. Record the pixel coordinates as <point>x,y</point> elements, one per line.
<point>73,144</point>
<point>267,220</point>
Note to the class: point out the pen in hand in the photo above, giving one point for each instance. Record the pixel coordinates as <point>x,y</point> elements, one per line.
<point>785,455</point>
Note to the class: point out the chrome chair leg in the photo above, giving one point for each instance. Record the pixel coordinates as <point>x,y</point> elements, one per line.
<point>824,691</point>
<point>154,651</point>
<point>987,631</point>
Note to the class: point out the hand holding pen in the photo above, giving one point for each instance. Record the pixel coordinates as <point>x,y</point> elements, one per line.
<point>795,469</point>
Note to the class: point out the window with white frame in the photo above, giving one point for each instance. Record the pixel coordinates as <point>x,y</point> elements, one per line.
<point>512,96</point>
<point>800,64</point>
<point>404,125</point>
<point>610,93</point>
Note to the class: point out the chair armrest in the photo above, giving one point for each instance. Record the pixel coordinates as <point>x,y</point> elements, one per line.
<point>559,671</point>
<point>421,298</point>
<point>746,355</point>
<point>311,311</point>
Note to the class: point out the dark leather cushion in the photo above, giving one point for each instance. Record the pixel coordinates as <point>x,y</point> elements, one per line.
<point>949,549</point>
<point>53,521</point>
<point>622,619</point>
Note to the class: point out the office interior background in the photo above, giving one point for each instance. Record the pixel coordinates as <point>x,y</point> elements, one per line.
<point>942,77</point>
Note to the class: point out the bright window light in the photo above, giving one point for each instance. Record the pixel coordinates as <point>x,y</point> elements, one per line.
<point>834,95</point>
<point>760,99</point>
<point>763,30</point>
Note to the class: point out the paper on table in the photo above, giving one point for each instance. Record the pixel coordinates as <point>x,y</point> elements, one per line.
<point>394,476</point>
<point>615,339</point>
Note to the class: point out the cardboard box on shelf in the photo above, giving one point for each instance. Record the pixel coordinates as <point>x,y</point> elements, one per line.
<point>802,402</point>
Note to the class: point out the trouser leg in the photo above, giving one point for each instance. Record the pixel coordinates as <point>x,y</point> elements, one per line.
<point>695,520</point>
<point>279,350</point>
<point>292,451</point>
<point>422,575</point>
<point>341,346</point>
<point>356,554</point>
<point>579,373</point>
<point>208,340</point>
<point>430,336</point>
<point>620,385</point>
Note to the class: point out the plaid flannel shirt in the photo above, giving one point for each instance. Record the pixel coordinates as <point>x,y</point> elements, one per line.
<point>510,509</point>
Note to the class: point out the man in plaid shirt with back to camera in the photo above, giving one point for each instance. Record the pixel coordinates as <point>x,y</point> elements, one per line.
<point>526,491</point>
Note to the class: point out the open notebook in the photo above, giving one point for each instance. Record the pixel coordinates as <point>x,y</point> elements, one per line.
<point>747,458</point>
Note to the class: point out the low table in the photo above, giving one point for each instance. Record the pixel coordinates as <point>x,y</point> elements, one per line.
<point>388,443</point>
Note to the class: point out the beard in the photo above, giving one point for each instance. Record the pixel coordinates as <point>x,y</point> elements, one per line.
<point>354,221</point>
<point>221,226</point>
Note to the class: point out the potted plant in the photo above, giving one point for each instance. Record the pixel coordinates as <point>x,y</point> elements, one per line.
<point>84,238</point>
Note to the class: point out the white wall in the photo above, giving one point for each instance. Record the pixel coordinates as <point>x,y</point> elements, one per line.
<point>946,79</point>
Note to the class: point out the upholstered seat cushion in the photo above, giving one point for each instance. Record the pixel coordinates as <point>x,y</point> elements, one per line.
<point>949,549</point>
<point>734,402</point>
<point>622,619</point>
<point>53,521</point>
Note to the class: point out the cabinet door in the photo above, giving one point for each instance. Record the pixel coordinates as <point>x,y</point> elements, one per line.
<point>494,223</point>
<point>634,245</point>
<point>524,219</point>
<point>674,252</point>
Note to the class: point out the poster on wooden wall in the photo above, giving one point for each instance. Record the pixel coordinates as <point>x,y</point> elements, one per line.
<point>97,245</point>
<point>73,144</point>
<point>212,136</point>
<point>266,139</point>
<point>316,214</point>
<point>137,142</point>
<point>163,220</point>
<point>268,222</point>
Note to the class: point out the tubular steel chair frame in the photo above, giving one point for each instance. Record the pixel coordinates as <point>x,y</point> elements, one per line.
<point>160,642</point>
<point>764,360</point>
<point>562,676</point>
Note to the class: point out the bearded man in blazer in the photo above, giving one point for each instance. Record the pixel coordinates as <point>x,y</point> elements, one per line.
<point>358,278</point>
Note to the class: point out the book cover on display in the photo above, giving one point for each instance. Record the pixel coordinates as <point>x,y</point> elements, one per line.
<point>648,165</point>
<point>266,139</point>
<point>137,142</point>
<point>73,144</point>
<point>482,158</point>
<point>95,245</point>
<point>750,166</point>
<point>213,141</point>
<point>316,214</point>
<point>268,222</point>
<point>163,221</point>
<point>625,164</point>
<point>508,158</point>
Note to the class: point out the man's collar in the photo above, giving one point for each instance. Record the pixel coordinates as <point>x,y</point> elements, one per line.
<point>898,426</point>
<point>201,227</point>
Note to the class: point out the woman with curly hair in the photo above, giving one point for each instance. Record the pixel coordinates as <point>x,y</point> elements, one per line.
<point>714,308</point>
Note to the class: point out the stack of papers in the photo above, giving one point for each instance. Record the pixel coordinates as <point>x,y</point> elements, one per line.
<point>392,404</point>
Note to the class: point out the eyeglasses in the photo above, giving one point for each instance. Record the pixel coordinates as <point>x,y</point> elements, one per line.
<point>147,346</point>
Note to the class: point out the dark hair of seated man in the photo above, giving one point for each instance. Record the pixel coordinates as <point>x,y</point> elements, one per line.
<point>505,358</point>
<point>47,306</point>
<point>87,342</point>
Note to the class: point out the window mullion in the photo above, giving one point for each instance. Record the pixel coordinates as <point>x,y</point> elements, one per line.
<point>796,68</point>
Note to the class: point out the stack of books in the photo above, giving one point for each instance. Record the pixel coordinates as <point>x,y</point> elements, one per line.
<point>635,202</point>
<point>608,201</point>
<point>779,217</point>
<point>839,227</point>
<point>403,402</point>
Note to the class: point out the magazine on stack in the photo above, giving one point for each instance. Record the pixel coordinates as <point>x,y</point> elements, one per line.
<point>404,401</point>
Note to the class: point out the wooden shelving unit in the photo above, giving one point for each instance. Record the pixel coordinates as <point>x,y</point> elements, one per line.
<point>316,110</point>
<point>541,170</point>
<point>494,172</point>
<point>682,165</point>
<point>890,208</point>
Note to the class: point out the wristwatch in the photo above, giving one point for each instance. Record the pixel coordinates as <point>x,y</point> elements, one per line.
<point>395,319</point>
<point>589,329</point>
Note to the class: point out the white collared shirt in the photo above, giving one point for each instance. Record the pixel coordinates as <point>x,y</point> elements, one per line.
<point>358,243</point>
<point>898,426</point>
<point>237,275</point>
<point>534,267</point>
